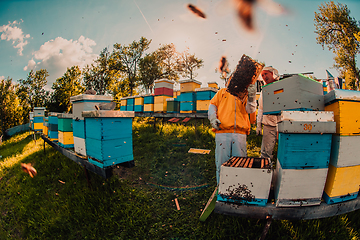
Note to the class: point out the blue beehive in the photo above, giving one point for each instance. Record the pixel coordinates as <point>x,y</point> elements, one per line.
<point>108,137</point>
<point>53,126</point>
<point>187,102</point>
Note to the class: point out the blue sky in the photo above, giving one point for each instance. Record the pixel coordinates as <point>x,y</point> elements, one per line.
<point>37,34</point>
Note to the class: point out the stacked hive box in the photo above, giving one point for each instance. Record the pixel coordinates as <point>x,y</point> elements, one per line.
<point>53,126</point>
<point>163,89</point>
<point>130,103</point>
<point>173,105</point>
<point>148,103</point>
<point>343,179</point>
<point>203,97</point>
<point>303,157</point>
<point>83,102</point>
<point>108,137</point>
<point>45,125</point>
<point>245,180</point>
<point>65,130</point>
<point>123,103</point>
<point>213,85</point>
<point>293,93</point>
<point>187,96</point>
<point>139,104</point>
<point>39,114</point>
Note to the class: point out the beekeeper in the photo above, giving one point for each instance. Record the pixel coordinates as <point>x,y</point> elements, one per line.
<point>229,116</point>
<point>267,124</point>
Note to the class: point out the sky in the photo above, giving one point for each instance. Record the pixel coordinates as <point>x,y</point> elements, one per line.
<point>56,35</point>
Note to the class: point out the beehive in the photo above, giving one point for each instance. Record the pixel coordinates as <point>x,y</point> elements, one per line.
<point>123,104</point>
<point>189,85</point>
<point>130,104</point>
<point>304,148</point>
<point>65,130</point>
<point>45,126</point>
<point>203,97</point>
<point>84,102</point>
<point>108,137</point>
<point>293,93</point>
<point>53,126</point>
<point>245,180</point>
<point>139,104</point>
<point>39,111</point>
<point>213,85</point>
<point>172,105</point>
<point>343,103</point>
<point>343,179</point>
<point>160,103</point>
<point>149,107</point>
<point>187,102</point>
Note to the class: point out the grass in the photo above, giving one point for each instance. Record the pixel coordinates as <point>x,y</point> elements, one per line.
<point>135,203</point>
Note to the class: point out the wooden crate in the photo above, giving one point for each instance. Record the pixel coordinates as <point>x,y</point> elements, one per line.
<point>66,139</point>
<point>293,93</point>
<point>189,85</point>
<point>342,184</point>
<point>344,151</point>
<point>149,107</point>
<point>202,105</point>
<point>245,180</point>
<point>86,102</point>
<point>299,187</point>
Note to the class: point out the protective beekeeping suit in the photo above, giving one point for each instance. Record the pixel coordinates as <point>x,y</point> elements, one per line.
<point>268,122</point>
<point>229,116</point>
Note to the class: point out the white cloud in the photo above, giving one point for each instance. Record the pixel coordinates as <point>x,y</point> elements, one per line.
<point>59,54</point>
<point>12,33</point>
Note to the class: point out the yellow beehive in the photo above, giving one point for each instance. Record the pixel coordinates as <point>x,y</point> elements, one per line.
<point>213,85</point>
<point>160,99</point>
<point>189,85</point>
<point>149,107</point>
<point>66,138</point>
<point>342,181</point>
<point>160,107</point>
<point>45,130</point>
<point>139,100</point>
<point>38,126</point>
<point>346,116</point>
<point>123,102</point>
<point>202,105</point>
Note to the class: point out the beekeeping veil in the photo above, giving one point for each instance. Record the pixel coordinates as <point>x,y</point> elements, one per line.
<point>275,72</point>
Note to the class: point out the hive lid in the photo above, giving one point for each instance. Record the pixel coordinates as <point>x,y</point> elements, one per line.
<point>171,99</point>
<point>108,113</point>
<point>189,80</point>
<point>65,115</point>
<point>313,116</point>
<point>164,80</point>
<point>90,97</point>
<point>342,94</point>
<point>39,108</point>
<point>206,89</point>
<point>53,114</point>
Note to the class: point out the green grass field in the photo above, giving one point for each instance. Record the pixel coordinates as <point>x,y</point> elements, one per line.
<point>138,202</point>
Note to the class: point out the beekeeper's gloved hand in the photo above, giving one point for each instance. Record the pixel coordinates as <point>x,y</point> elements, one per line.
<point>252,93</point>
<point>215,123</point>
<point>258,129</point>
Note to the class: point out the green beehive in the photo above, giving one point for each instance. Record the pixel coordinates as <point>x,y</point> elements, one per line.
<point>173,105</point>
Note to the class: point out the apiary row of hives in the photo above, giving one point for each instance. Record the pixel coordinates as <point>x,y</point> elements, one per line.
<point>103,136</point>
<point>189,99</point>
<point>317,148</point>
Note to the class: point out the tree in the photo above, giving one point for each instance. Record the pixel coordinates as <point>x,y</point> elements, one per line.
<point>10,108</point>
<point>33,88</point>
<point>168,59</point>
<point>65,87</point>
<point>187,64</point>
<point>127,59</point>
<point>150,70</point>
<point>102,75</point>
<point>338,31</point>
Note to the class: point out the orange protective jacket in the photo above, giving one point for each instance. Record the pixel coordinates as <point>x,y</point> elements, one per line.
<point>231,112</point>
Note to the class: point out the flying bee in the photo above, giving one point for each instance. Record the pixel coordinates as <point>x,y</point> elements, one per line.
<point>29,169</point>
<point>196,11</point>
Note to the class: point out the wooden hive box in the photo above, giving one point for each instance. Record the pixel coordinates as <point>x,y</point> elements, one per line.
<point>245,180</point>
<point>65,122</point>
<point>305,139</point>
<point>299,187</point>
<point>38,124</point>
<point>189,85</point>
<point>148,99</point>
<point>53,126</point>
<point>163,91</point>
<point>342,184</point>
<point>87,102</point>
<point>45,125</point>
<point>293,93</point>
<point>108,137</point>
<point>66,139</point>
<point>160,103</point>
<point>149,107</point>
<point>123,103</point>
<point>213,85</point>
<point>130,104</point>
<point>172,105</point>
<point>164,83</point>
<point>39,111</point>
<point>344,104</point>
<point>202,106</point>
<point>205,93</point>
<point>344,151</point>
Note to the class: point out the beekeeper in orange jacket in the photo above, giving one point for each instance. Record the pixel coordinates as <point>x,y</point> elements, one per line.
<point>229,116</point>
<point>267,123</point>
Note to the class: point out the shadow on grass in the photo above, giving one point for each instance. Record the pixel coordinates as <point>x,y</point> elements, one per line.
<point>15,145</point>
